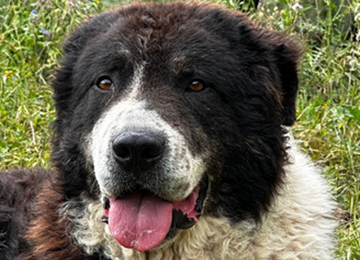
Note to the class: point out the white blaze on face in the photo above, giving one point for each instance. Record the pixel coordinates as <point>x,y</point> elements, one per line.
<point>182,169</point>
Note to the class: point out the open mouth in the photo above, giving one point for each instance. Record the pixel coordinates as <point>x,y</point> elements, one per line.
<point>142,220</point>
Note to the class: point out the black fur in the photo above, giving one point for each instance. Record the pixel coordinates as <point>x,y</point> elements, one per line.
<point>18,191</point>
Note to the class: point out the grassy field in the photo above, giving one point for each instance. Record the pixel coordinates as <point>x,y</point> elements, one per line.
<point>328,105</point>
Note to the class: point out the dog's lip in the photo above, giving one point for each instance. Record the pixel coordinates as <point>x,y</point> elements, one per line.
<point>181,220</point>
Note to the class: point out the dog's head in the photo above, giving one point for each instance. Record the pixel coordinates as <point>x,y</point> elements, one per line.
<point>167,112</point>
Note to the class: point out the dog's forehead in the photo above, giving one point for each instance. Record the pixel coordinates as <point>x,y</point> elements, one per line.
<point>171,37</point>
<point>171,40</point>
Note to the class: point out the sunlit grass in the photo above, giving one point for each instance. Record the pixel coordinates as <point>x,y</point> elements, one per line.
<point>31,32</point>
<point>328,105</point>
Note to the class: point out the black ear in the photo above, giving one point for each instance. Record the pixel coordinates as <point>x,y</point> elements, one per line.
<point>286,55</point>
<point>280,53</point>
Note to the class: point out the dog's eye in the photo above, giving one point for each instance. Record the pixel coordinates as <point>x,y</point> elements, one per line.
<point>196,86</point>
<point>105,83</point>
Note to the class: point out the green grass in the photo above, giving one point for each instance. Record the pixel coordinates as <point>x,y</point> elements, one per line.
<point>329,97</point>
<point>328,105</point>
<point>29,49</point>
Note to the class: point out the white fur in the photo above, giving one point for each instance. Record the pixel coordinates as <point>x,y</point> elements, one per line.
<point>299,225</point>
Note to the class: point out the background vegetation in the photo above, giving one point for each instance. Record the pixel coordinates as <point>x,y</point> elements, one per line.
<point>328,105</point>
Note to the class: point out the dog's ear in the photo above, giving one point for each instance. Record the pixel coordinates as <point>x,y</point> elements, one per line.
<point>280,54</point>
<point>286,54</point>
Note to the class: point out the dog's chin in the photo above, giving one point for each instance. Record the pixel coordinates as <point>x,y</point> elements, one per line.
<point>143,221</point>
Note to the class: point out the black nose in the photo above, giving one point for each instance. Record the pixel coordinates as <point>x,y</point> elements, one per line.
<point>138,151</point>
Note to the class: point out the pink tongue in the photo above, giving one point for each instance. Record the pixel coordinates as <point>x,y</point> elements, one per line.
<point>140,221</point>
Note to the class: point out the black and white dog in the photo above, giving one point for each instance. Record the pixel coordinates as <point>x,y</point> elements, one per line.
<point>170,143</point>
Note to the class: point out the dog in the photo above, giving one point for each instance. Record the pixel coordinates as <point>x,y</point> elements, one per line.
<point>171,141</point>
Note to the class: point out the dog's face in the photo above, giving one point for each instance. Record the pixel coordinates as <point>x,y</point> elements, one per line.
<point>167,112</point>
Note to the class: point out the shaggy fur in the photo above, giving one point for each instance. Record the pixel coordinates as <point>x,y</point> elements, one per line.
<point>257,196</point>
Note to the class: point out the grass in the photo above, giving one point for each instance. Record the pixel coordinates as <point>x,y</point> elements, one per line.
<point>329,97</point>
<point>31,32</point>
<point>328,105</point>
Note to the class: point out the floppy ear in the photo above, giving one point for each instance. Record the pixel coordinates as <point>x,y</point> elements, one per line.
<point>280,54</point>
<point>286,55</point>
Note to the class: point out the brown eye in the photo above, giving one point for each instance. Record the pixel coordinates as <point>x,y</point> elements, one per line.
<point>105,84</point>
<point>196,86</point>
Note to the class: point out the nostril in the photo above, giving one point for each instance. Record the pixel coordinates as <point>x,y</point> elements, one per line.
<point>122,152</point>
<point>122,148</point>
<point>151,153</point>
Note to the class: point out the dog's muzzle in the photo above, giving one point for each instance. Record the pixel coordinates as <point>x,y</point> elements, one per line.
<point>150,206</point>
